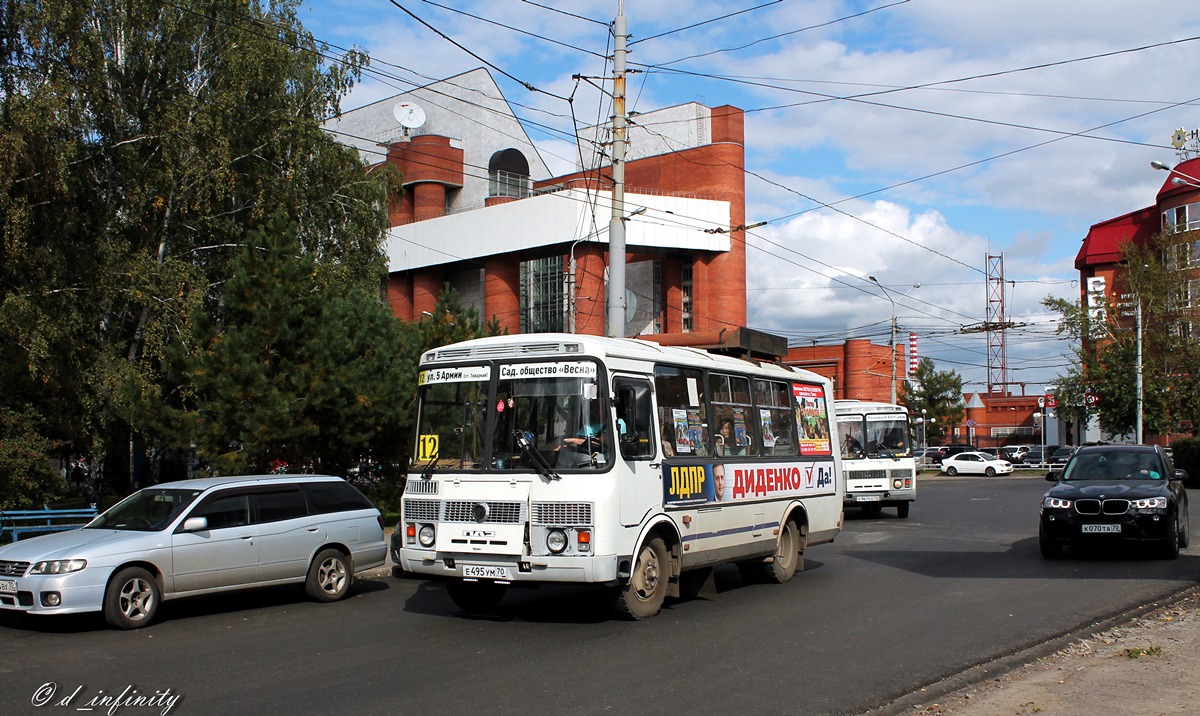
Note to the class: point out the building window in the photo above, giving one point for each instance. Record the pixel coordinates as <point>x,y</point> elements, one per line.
<point>685,289</point>
<point>508,174</point>
<point>1178,220</point>
<point>542,308</point>
<point>501,183</point>
<point>643,302</point>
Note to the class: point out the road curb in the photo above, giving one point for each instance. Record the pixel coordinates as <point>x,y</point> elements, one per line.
<point>1003,665</point>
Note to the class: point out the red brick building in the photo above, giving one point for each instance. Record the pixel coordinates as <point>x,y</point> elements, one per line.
<point>859,369</point>
<point>481,213</point>
<point>1176,209</point>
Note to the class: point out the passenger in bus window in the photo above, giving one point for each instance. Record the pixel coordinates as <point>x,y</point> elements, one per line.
<point>727,443</point>
<point>668,440</point>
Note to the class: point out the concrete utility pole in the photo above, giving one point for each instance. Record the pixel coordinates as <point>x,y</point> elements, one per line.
<point>616,225</point>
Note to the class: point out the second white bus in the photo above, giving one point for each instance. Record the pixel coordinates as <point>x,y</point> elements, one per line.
<point>877,455</point>
<point>569,458</point>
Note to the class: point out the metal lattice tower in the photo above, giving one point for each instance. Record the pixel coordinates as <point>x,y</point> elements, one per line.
<point>996,325</point>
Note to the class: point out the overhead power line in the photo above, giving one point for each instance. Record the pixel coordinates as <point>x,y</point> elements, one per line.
<point>527,85</point>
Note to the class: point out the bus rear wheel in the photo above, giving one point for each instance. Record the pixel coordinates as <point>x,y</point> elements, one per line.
<point>788,559</point>
<point>789,555</point>
<point>643,597</point>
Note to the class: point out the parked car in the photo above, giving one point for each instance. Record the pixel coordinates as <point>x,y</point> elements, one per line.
<point>929,455</point>
<point>194,537</point>
<point>1037,454</point>
<point>1110,494</point>
<point>953,449</point>
<point>1012,454</point>
<point>1060,457</point>
<point>975,463</point>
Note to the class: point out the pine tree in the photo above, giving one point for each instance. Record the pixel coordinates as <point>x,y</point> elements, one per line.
<point>939,394</point>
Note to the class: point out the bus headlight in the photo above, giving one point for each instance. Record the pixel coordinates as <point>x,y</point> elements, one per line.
<point>425,535</point>
<point>897,483</point>
<point>556,541</point>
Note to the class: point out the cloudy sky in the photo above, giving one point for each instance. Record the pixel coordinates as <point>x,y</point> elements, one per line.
<point>902,139</point>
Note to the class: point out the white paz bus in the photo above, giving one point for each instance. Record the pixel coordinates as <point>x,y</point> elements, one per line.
<point>878,459</point>
<point>579,459</point>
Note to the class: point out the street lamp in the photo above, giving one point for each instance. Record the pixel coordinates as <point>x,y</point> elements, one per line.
<point>924,439</point>
<point>1040,419</point>
<point>887,294</point>
<point>1182,179</point>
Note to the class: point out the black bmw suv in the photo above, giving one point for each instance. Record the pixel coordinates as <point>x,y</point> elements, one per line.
<point>1113,494</point>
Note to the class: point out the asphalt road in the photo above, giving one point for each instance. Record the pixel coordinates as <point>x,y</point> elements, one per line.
<point>892,606</point>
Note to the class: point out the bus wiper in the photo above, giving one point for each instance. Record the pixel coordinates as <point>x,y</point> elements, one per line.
<point>427,471</point>
<point>535,457</point>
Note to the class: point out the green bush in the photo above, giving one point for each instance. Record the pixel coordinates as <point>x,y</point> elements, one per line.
<point>1186,453</point>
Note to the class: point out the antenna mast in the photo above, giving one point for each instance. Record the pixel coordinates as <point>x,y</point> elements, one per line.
<point>996,327</point>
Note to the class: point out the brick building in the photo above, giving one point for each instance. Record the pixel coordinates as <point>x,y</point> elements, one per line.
<point>1100,261</point>
<point>480,212</point>
<point>858,368</point>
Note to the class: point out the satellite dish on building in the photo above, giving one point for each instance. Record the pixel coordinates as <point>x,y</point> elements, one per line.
<point>409,115</point>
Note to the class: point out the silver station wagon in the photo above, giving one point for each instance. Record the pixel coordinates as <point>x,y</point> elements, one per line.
<point>195,537</point>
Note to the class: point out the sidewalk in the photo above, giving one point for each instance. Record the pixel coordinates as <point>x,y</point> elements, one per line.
<point>1149,665</point>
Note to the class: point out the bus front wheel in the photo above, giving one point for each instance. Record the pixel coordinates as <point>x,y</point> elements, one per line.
<point>643,597</point>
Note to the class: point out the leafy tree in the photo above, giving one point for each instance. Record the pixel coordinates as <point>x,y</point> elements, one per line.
<point>1187,457</point>
<point>939,394</point>
<point>287,369</point>
<point>27,478</point>
<point>1105,346</point>
<point>451,321</point>
<point>139,142</point>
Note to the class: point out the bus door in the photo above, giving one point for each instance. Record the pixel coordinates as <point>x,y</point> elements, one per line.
<point>639,473</point>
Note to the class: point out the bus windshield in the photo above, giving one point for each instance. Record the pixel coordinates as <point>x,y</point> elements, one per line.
<point>874,435</point>
<point>887,435</point>
<point>541,415</point>
<point>554,409</point>
<point>451,418</point>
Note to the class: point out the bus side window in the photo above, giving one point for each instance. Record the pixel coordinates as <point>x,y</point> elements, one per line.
<point>635,419</point>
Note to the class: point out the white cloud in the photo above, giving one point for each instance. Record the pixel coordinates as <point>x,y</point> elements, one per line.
<point>1033,204</point>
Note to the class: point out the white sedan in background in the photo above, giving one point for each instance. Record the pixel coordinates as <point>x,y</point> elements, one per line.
<point>975,463</point>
